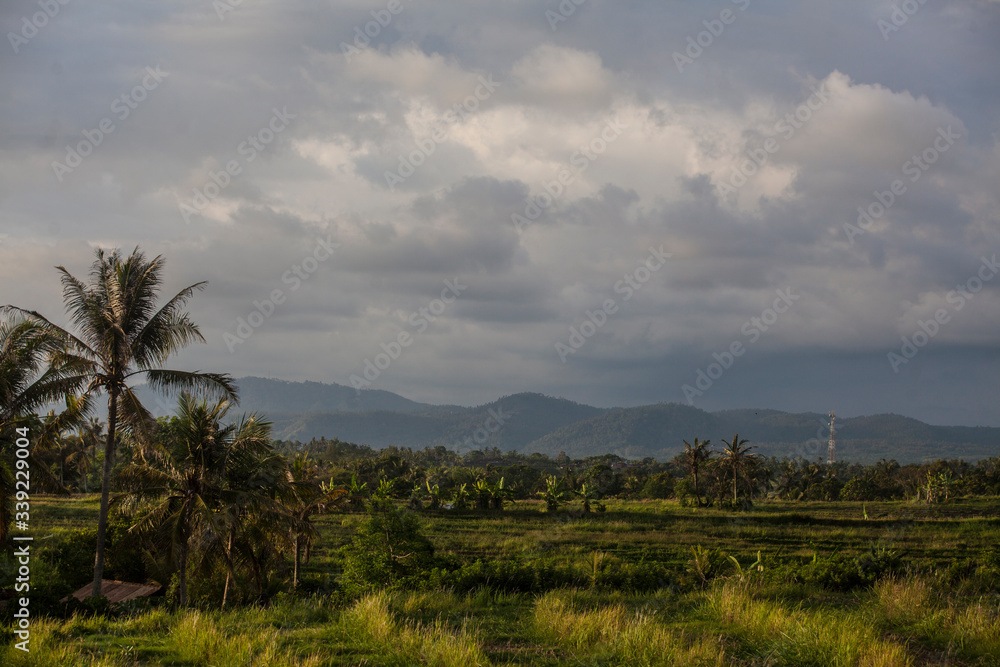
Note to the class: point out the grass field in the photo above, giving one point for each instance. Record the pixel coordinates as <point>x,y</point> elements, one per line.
<point>931,611</point>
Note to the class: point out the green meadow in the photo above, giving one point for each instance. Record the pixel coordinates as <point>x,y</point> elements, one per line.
<point>642,583</point>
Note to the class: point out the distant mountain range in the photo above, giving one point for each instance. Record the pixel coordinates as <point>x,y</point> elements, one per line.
<point>531,422</point>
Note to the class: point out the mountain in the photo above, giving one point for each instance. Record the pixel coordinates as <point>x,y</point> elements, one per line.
<point>531,422</point>
<point>279,398</point>
<point>650,430</point>
<point>659,431</point>
<point>508,423</point>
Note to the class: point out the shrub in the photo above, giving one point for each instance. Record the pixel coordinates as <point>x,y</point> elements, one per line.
<point>387,549</point>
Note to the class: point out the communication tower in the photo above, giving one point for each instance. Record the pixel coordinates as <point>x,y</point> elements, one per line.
<point>831,450</point>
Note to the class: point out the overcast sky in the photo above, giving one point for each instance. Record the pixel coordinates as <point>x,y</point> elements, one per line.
<point>674,168</point>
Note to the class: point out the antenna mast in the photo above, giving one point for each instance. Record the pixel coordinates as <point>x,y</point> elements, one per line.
<point>831,451</point>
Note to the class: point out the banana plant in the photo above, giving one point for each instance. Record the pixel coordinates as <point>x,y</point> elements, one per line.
<point>356,493</point>
<point>590,495</point>
<point>434,493</point>
<point>383,491</point>
<point>553,495</point>
<point>499,494</point>
<point>483,494</point>
<point>461,501</point>
<point>741,573</point>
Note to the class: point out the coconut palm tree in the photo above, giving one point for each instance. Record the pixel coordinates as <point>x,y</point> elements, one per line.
<point>34,371</point>
<point>696,456</point>
<point>34,367</point>
<point>187,487</point>
<point>737,459</point>
<point>310,496</point>
<point>120,335</point>
<point>85,444</point>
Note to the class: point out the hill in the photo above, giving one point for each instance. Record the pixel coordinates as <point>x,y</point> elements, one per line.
<point>280,398</point>
<point>532,422</point>
<point>508,423</point>
<point>659,431</point>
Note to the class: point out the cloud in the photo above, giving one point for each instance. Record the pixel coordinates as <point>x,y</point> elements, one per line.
<point>674,172</point>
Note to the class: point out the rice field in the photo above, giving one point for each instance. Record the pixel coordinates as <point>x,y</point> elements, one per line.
<point>746,611</point>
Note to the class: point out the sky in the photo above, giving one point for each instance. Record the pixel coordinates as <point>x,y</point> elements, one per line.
<point>753,203</point>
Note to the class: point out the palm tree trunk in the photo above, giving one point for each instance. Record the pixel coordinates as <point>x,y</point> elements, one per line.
<point>734,483</point>
<point>229,569</point>
<point>183,574</point>
<point>102,517</point>
<point>295,571</point>
<point>697,496</point>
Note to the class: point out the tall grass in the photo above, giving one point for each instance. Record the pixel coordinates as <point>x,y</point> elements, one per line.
<point>613,632</point>
<point>49,648</point>
<point>411,643</point>
<point>799,637</point>
<point>198,639</point>
<point>911,606</point>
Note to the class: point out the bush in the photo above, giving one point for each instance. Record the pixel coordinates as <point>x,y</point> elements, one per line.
<point>684,490</point>
<point>845,573</point>
<point>658,487</point>
<point>387,549</point>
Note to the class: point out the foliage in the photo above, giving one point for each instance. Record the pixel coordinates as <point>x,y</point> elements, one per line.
<point>121,334</point>
<point>554,494</point>
<point>211,490</point>
<point>387,549</point>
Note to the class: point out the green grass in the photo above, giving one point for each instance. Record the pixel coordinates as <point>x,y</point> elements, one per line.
<point>920,617</point>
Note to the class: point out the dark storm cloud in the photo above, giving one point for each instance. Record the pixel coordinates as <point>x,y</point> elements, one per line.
<point>675,176</point>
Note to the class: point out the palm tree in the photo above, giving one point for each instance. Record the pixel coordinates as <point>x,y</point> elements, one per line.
<point>198,483</point>
<point>737,459</point>
<point>120,334</point>
<point>695,456</point>
<point>85,445</point>
<point>34,371</point>
<point>310,496</point>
